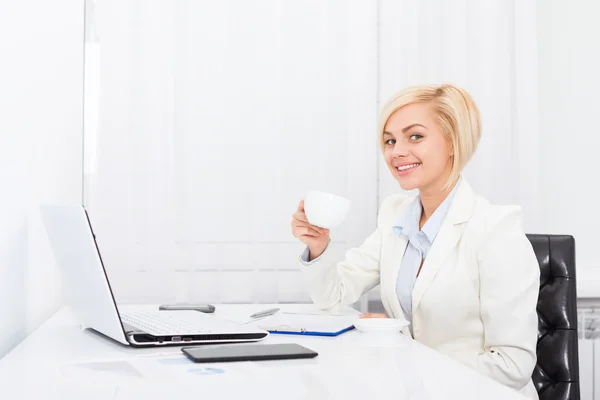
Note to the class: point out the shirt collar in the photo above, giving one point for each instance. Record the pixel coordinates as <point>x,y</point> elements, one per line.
<point>408,223</point>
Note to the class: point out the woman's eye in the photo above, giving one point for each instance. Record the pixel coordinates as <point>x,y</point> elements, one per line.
<point>416,136</point>
<point>390,142</point>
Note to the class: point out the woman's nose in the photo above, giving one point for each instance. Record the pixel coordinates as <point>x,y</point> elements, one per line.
<point>399,150</point>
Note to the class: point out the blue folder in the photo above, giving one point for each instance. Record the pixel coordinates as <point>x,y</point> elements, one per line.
<point>310,333</point>
<point>307,324</point>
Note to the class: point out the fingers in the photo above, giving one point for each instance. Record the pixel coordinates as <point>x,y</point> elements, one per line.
<point>298,225</point>
<point>373,315</point>
<point>299,220</point>
<point>301,206</point>
<point>300,216</point>
<point>301,226</point>
<point>306,231</point>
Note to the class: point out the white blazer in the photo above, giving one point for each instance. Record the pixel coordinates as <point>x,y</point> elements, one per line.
<point>475,297</point>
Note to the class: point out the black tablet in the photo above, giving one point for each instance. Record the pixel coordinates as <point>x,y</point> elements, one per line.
<point>247,352</point>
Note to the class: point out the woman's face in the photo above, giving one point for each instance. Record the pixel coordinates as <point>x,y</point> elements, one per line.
<point>415,149</point>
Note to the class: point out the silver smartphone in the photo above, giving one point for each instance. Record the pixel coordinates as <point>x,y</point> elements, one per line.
<point>205,308</point>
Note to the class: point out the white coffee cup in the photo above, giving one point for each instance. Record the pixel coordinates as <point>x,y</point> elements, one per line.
<point>325,210</point>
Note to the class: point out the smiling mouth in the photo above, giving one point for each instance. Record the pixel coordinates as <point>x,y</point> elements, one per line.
<point>408,167</point>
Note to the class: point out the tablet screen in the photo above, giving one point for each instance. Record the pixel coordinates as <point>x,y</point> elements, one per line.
<point>247,352</point>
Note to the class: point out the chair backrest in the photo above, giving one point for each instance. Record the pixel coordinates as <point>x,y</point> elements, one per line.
<point>556,374</point>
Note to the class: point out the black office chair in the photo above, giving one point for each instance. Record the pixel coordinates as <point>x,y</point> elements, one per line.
<point>556,374</point>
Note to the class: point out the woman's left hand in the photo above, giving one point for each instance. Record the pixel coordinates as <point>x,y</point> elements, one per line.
<point>372,315</point>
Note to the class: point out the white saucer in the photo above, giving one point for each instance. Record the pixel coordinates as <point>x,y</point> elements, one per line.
<point>380,325</point>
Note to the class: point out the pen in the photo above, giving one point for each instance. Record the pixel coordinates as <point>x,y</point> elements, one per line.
<point>264,313</point>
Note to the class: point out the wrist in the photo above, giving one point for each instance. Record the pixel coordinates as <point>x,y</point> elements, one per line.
<point>316,252</point>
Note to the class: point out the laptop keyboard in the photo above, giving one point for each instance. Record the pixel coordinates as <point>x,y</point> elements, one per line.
<point>161,323</point>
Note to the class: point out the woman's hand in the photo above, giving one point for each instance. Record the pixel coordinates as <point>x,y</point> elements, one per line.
<point>314,237</point>
<point>372,315</point>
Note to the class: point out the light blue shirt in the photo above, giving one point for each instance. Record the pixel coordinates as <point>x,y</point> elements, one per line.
<point>419,243</point>
<point>304,256</point>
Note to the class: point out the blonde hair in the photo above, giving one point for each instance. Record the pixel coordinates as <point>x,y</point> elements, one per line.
<point>458,117</point>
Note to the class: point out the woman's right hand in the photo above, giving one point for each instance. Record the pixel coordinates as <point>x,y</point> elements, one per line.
<point>314,237</point>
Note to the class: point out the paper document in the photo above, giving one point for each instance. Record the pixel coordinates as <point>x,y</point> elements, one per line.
<point>308,323</point>
<point>313,310</point>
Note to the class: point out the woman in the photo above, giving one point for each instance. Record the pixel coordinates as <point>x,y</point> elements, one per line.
<point>459,269</point>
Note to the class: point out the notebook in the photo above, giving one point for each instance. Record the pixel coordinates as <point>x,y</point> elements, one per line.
<point>308,324</point>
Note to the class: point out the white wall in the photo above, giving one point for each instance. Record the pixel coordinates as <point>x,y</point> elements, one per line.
<point>210,127</point>
<point>206,131</point>
<point>187,102</point>
<point>569,83</point>
<point>488,48</point>
<point>41,44</point>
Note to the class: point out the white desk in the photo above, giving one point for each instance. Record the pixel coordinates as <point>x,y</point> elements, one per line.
<point>62,361</point>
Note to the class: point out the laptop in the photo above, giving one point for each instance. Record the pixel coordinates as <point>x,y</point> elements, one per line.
<point>90,294</point>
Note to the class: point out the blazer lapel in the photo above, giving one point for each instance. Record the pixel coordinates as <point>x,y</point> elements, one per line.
<point>390,269</point>
<point>445,241</point>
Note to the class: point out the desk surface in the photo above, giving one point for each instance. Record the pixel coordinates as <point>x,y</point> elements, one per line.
<point>62,361</point>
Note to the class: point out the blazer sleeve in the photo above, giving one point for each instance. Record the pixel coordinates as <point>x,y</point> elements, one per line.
<point>509,286</point>
<point>333,283</point>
